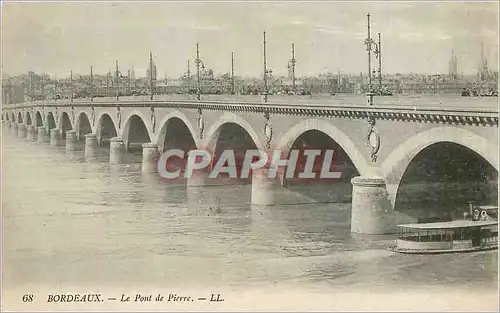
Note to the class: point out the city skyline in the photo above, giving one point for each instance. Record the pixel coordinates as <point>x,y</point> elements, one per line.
<point>416,37</point>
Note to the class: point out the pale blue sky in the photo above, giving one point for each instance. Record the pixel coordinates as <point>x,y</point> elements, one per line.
<point>417,36</point>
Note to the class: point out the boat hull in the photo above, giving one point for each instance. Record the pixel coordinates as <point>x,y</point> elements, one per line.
<point>474,249</point>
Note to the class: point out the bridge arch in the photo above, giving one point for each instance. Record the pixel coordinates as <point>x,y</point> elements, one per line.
<point>82,125</point>
<point>171,122</point>
<point>64,124</point>
<point>51,122</point>
<point>13,117</point>
<point>135,131</point>
<point>105,129</point>
<point>27,118</point>
<point>458,165</point>
<point>19,118</point>
<point>211,138</point>
<point>231,132</point>
<point>397,162</point>
<point>38,119</point>
<point>288,139</point>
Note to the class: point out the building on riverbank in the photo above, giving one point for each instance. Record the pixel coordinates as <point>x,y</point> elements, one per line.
<point>12,92</point>
<point>18,89</point>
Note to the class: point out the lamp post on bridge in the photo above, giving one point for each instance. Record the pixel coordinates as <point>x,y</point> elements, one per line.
<point>188,75</point>
<point>369,46</point>
<point>199,63</point>
<point>266,71</point>
<point>117,78</point>
<point>291,65</point>
<point>151,86</point>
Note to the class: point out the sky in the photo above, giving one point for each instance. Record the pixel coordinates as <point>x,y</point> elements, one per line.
<point>417,37</point>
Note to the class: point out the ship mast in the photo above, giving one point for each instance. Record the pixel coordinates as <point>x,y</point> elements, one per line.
<point>232,73</point>
<point>42,87</point>
<point>107,84</point>
<point>129,83</point>
<point>71,84</point>
<point>31,86</point>
<point>91,84</point>
<point>55,87</point>
<point>189,78</point>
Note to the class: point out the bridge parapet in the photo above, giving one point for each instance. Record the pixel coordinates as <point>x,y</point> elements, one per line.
<point>440,115</point>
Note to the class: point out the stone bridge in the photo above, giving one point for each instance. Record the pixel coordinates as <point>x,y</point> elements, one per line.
<point>380,144</point>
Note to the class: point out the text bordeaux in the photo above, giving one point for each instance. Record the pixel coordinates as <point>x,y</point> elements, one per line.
<point>75,298</point>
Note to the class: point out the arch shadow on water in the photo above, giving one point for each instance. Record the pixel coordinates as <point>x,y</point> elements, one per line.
<point>230,136</point>
<point>82,126</point>
<point>442,179</point>
<point>28,119</point>
<point>38,119</point>
<point>105,130</point>
<point>51,122</point>
<point>64,124</point>
<point>175,134</point>
<point>320,190</point>
<point>134,135</point>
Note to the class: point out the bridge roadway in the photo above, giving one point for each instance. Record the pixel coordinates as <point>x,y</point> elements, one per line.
<point>408,101</point>
<point>380,140</point>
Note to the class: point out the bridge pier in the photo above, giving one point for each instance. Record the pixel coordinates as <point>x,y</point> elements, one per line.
<point>371,212</point>
<point>42,134</point>
<point>116,150</point>
<point>198,179</point>
<point>21,130</point>
<point>150,156</point>
<point>263,187</point>
<point>13,129</point>
<point>6,125</point>
<point>30,133</point>
<point>70,140</point>
<point>55,137</point>
<point>90,145</point>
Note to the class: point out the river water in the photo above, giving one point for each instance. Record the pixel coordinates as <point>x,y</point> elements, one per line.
<point>71,222</point>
